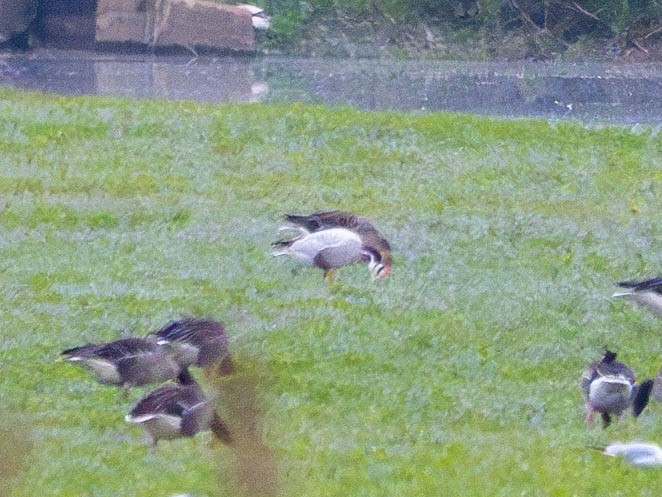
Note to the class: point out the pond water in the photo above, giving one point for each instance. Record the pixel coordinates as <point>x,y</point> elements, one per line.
<point>594,93</point>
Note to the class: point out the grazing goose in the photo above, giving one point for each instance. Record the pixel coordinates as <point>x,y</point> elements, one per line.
<point>128,362</point>
<point>177,410</point>
<point>636,453</point>
<point>609,387</point>
<point>645,293</point>
<point>330,249</point>
<point>323,220</point>
<point>199,342</point>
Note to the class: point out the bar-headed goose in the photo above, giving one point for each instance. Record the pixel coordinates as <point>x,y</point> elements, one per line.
<point>323,220</point>
<point>330,249</point>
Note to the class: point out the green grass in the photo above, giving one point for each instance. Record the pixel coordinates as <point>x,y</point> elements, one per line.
<point>457,375</point>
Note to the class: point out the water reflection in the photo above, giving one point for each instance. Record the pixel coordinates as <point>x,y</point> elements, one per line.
<point>593,93</point>
<point>168,78</point>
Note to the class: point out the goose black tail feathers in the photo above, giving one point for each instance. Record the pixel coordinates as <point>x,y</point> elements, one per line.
<point>310,223</point>
<point>642,397</point>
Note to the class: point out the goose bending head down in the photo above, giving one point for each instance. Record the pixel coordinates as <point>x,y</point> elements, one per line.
<point>177,410</point>
<point>330,249</point>
<point>199,342</point>
<point>609,388</point>
<point>323,220</point>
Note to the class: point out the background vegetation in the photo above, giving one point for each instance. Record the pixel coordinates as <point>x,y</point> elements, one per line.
<point>457,375</point>
<point>467,28</point>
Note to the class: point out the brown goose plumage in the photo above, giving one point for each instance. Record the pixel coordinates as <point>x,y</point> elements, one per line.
<point>177,410</point>
<point>199,342</point>
<point>370,236</point>
<point>322,220</point>
<point>128,362</point>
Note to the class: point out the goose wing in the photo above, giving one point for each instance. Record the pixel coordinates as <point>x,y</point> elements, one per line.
<point>325,219</point>
<point>191,330</point>
<point>126,347</point>
<point>648,285</point>
<point>119,349</point>
<point>150,367</point>
<point>168,399</point>
<point>616,369</point>
<point>204,341</point>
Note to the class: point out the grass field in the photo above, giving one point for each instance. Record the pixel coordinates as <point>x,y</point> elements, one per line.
<point>456,376</point>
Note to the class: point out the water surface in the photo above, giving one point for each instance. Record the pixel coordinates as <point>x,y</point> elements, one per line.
<point>594,93</point>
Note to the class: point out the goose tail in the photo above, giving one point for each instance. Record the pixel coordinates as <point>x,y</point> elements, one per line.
<point>642,397</point>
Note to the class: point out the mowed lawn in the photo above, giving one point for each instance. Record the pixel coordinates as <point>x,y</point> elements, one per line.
<point>455,376</point>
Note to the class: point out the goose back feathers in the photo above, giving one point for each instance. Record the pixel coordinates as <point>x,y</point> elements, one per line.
<point>199,342</point>
<point>326,219</point>
<point>177,410</point>
<point>127,362</point>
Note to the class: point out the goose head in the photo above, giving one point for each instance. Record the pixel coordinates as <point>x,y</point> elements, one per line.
<point>373,259</point>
